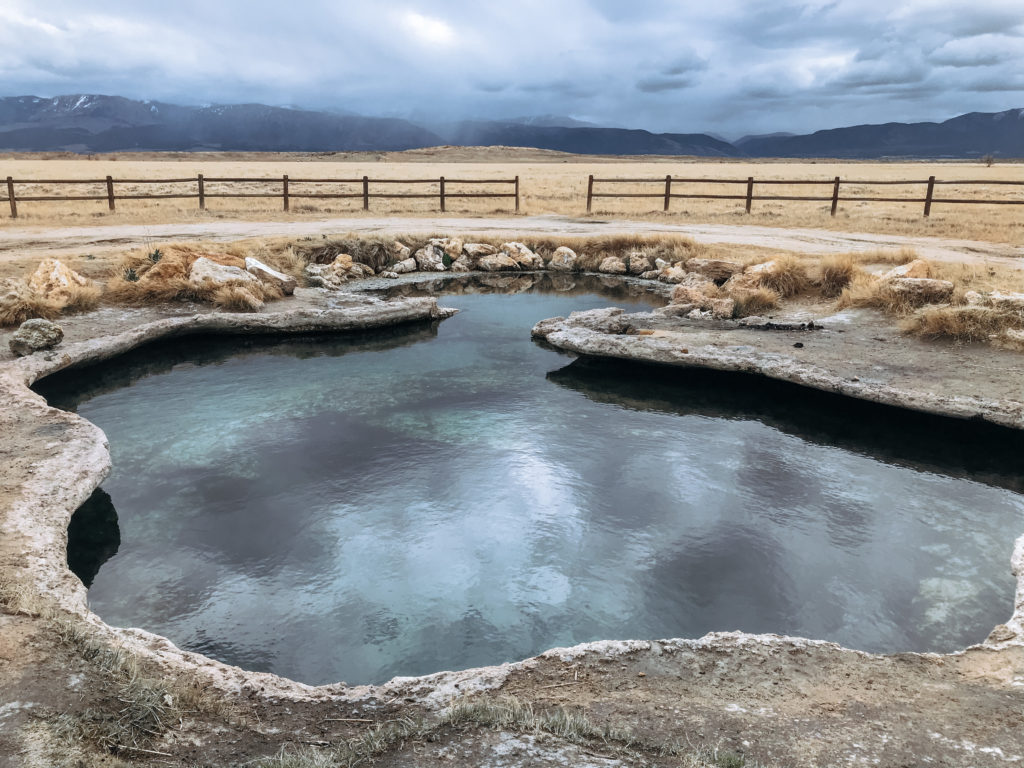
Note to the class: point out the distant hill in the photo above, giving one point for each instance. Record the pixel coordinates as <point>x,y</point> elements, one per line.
<point>586,140</point>
<point>87,123</point>
<point>90,123</point>
<point>971,135</point>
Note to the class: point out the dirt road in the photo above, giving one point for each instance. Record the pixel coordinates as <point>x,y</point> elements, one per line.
<point>75,239</point>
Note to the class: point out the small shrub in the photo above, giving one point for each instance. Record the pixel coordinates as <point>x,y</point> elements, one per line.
<point>155,255</point>
<point>82,298</point>
<point>18,303</point>
<point>130,275</point>
<point>787,278</point>
<point>236,297</point>
<point>836,273</point>
<point>754,301</point>
<point>965,323</point>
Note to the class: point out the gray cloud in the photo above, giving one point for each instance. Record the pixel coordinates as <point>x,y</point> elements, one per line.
<point>740,65</point>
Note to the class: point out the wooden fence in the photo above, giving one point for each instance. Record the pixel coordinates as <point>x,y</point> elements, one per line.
<point>749,197</point>
<point>286,190</point>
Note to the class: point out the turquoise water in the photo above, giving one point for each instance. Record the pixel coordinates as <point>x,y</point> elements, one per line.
<point>451,495</point>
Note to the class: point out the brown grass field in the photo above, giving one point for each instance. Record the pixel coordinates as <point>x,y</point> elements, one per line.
<point>551,183</point>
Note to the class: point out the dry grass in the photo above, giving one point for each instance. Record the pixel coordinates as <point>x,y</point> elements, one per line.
<point>549,184</point>
<point>894,256</point>
<point>506,714</point>
<point>787,277</point>
<point>835,274</point>
<point>18,303</point>
<point>867,291</point>
<point>754,302</point>
<point>962,323</point>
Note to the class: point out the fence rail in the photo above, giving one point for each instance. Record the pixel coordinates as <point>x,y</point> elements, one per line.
<point>286,191</point>
<point>667,194</point>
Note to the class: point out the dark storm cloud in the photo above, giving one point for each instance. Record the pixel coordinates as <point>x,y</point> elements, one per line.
<point>731,67</point>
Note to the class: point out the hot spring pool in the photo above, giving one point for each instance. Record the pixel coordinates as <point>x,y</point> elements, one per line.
<point>454,495</point>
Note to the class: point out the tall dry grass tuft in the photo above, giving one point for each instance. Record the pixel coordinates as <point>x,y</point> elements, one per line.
<point>963,323</point>
<point>866,291</point>
<point>837,273</point>
<point>787,277</point>
<point>82,298</point>
<point>754,301</point>
<point>237,297</point>
<point>18,303</point>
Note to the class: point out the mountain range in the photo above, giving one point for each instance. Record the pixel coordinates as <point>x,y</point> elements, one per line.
<point>90,123</point>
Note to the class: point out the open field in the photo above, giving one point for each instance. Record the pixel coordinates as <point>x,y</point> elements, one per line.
<point>551,183</point>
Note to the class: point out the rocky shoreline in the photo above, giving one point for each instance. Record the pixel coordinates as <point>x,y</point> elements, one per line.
<point>764,691</point>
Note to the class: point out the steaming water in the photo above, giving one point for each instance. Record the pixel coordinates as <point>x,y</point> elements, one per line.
<point>446,496</point>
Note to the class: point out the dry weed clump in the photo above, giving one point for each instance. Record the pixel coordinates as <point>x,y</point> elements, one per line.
<point>837,272</point>
<point>962,323</point>
<point>18,303</point>
<point>867,291</point>
<point>160,276</point>
<point>899,257</point>
<point>754,301</point>
<point>787,277</point>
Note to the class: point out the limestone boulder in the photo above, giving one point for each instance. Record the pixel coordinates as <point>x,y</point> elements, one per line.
<point>921,290</point>
<point>497,262</point>
<point>717,270</point>
<point>55,281</point>
<point>613,265</point>
<point>358,271</point>
<point>918,268</point>
<point>650,275</point>
<point>205,270</point>
<point>1008,302</point>
<point>609,320</point>
<point>476,250</point>
<point>462,264</point>
<point>523,256</point>
<point>401,251</point>
<point>722,309</point>
<point>638,262</point>
<point>563,260</point>
<point>324,276</point>
<point>35,335</point>
<point>389,275</point>
<point>404,266</point>
<point>699,295</point>
<point>342,263</point>
<point>431,258</point>
<point>672,275</point>
<point>269,275</point>
<point>661,264</point>
<point>452,246</point>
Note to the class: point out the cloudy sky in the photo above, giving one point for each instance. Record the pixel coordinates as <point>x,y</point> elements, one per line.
<point>728,67</point>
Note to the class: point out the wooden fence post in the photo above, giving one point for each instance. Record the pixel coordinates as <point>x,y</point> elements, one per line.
<point>110,193</point>
<point>668,190</point>
<point>750,192</point>
<point>202,193</point>
<point>366,193</point>
<point>517,194</point>
<point>284,192</point>
<point>442,194</point>
<point>835,196</point>
<point>590,192</point>
<point>928,196</point>
<point>10,197</point>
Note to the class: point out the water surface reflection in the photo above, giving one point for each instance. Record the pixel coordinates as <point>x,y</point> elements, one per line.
<point>446,496</point>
